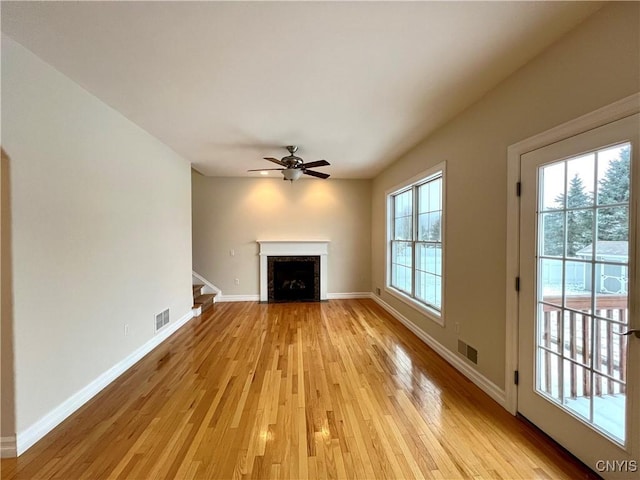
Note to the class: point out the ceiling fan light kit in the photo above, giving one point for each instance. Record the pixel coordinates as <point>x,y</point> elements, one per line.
<point>294,167</point>
<point>291,174</point>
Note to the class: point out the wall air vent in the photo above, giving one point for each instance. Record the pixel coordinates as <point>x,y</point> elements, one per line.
<point>162,319</point>
<point>468,351</point>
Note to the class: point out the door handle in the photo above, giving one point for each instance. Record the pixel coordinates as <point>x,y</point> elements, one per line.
<point>635,331</point>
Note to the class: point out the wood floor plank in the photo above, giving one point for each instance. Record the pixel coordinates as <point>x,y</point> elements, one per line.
<point>332,390</point>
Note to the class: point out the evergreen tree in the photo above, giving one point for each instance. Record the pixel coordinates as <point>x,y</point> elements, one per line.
<point>613,189</point>
<point>434,231</point>
<point>579,222</point>
<point>553,234</point>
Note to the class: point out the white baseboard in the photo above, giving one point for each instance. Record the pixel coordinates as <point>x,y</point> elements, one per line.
<point>347,295</point>
<point>28,437</point>
<point>238,298</point>
<point>480,380</point>
<point>8,447</point>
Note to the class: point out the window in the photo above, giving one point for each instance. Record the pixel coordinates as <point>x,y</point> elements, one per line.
<point>416,213</point>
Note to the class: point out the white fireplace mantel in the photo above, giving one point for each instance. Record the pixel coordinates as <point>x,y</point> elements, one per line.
<point>295,248</point>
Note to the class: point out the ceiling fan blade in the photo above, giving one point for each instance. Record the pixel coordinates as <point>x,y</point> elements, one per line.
<point>275,160</point>
<point>318,163</point>
<point>315,174</point>
<point>264,169</point>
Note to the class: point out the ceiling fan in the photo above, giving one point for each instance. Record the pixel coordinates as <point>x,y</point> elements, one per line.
<point>294,166</point>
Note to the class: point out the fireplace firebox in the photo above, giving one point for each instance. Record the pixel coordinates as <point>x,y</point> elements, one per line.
<point>293,279</point>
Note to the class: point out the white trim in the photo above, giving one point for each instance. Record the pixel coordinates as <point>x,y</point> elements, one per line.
<point>610,113</point>
<point>197,311</point>
<point>8,447</point>
<point>607,114</point>
<point>28,437</point>
<point>513,271</point>
<point>239,298</point>
<point>207,283</point>
<point>294,248</point>
<point>456,362</point>
<point>348,295</point>
<point>416,305</point>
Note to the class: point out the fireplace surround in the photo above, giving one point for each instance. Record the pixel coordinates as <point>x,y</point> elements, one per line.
<point>289,248</point>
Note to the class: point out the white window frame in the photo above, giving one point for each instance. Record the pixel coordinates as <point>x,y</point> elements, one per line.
<point>433,314</point>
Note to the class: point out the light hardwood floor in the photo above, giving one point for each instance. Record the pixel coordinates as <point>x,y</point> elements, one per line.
<point>319,390</point>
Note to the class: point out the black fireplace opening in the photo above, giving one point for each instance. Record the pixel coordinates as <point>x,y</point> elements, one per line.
<point>293,279</point>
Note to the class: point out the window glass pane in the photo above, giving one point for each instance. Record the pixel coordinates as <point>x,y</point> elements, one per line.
<point>577,389</point>
<point>552,234</point>
<point>553,185</point>
<point>421,284</point>
<point>580,181</point>
<point>430,258</point>
<point>613,234</point>
<point>435,220</point>
<point>423,198</point>
<point>402,228</point>
<point>403,281</point>
<point>409,279</point>
<point>577,285</point>
<point>403,203</point>
<point>614,174</point>
<point>549,335</point>
<point>428,288</point>
<point>435,195</point>
<point>402,253</point>
<point>612,291</point>
<point>610,349</point>
<point>548,374</point>
<point>550,278</point>
<point>579,234</point>
<point>429,226</point>
<point>609,408</point>
<point>394,274</point>
<point>577,337</point>
<point>423,226</point>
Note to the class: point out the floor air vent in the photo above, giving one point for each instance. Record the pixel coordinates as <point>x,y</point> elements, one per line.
<point>162,319</point>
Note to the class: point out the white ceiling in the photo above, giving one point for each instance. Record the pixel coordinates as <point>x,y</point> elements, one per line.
<point>227,83</point>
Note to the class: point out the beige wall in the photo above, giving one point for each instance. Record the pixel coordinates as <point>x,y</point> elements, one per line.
<point>101,233</point>
<point>592,66</point>
<point>232,213</point>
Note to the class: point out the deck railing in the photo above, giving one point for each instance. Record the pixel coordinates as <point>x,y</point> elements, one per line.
<point>573,338</point>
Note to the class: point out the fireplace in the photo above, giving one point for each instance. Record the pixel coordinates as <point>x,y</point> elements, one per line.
<point>302,267</point>
<point>293,279</point>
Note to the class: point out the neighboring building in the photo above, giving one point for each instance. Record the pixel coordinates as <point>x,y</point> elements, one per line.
<point>613,274</point>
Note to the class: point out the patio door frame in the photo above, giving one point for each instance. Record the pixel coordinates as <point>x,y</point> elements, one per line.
<point>610,113</point>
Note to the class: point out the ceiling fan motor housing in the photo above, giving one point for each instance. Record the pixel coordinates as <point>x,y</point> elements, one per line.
<point>292,161</point>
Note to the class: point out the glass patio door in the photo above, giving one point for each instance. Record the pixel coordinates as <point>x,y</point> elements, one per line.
<point>579,295</point>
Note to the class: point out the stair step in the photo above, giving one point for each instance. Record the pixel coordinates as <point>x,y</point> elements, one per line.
<point>197,287</point>
<point>205,301</point>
